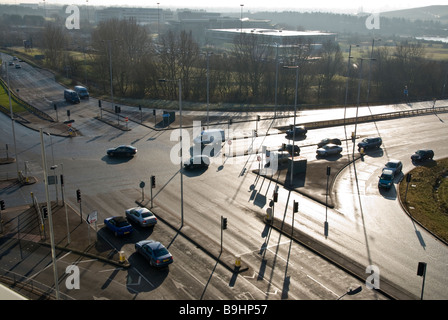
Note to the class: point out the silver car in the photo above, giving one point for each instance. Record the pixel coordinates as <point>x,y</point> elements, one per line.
<point>329,149</point>
<point>143,216</point>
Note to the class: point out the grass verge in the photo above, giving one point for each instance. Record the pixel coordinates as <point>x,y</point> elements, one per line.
<point>426,199</point>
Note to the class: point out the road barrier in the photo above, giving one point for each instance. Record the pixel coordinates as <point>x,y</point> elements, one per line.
<point>369,118</point>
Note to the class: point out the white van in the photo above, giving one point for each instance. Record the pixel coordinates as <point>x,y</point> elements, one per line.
<point>82,92</point>
<point>210,135</point>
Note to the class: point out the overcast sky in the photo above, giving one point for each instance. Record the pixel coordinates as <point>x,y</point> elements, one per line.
<point>340,6</point>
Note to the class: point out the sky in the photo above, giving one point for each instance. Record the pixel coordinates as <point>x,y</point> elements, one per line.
<point>340,6</point>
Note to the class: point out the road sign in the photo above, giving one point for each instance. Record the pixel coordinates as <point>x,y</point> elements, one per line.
<point>93,217</point>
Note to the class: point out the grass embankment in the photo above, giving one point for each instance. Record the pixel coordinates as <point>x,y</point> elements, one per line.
<point>4,101</point>
<point>427,196</point>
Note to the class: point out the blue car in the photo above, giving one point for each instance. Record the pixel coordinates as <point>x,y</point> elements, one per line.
<point>154,252</point>
<point>118,225</point>
<point>386,180</point>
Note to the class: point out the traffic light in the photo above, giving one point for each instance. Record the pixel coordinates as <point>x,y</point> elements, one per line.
<point>421,270</point>
<point>296,207</point>
<point>153,181</point>
<point>224,223</point>
<point>45,212</point>
<point>99,103</point>
<point>2,204</point>
<point>78,195</point>
<point>275,196</point>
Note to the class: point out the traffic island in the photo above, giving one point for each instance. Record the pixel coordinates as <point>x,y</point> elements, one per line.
<point>199,239</point>
<point>71,233</point>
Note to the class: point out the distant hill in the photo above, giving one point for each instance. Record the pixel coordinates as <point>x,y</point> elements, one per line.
<point>424,21</point>
<point>429,13</point>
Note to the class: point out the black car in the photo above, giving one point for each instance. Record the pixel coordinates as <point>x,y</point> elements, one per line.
<point>123,151</point>
<point>289,148</point>
<point>297,131</point>
<point>422,155</point>
<point>370,143</point>
<point>197,161</point>
<point>328,141</point>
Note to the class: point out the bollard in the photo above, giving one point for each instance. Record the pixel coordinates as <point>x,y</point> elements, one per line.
<point>122,257</point>
<point>238,262</point>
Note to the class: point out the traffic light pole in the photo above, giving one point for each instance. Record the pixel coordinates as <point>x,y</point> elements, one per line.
<point>78,197</point>
<point>50,218</point>
<point>223,227</point>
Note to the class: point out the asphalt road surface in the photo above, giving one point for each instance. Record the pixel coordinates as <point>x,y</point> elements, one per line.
<point>279,268</point>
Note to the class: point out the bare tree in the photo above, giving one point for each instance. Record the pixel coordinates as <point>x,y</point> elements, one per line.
<point>54,42</point>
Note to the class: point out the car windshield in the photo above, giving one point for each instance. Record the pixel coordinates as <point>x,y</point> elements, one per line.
<point>392,164</point>
<point>147,214</point>
<point>386,176</point>
<point>122,224</point>
<point>160,252</point>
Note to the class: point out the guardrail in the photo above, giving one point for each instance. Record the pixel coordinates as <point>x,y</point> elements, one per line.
<point>25,104</point>
<point>369,118</point>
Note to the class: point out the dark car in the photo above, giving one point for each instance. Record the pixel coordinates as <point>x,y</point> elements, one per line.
<point>197,161</point>
<point>123,151</point>
<point>329,149</point>
<point>386,179</point>
<point>118,225</point>
<point>422,155</point>
<point>328,141</point>
<point>370,143</point>
<point>297,131</point>
<point>71,96</point>
<point>154,252</point>
<point>395,165</point>
<point>289,148</point>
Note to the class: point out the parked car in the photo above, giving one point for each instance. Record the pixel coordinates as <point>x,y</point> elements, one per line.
<point>422,155</point>
<point>210,136</point>
<point>395,165</point>
<point>386,180</point>
<point>297,131</point>
<point>197,161</point>
<point>123,151</point>
<point>154,252</point>
<point>328,141</point>
<point>71,96</point>
<point>82,92</point>
<point>143,216</point>
<point>281,157</point>
<point>289,148</point>
<point>370,143</point>
<point>118,225</point>
<point>329,149</point>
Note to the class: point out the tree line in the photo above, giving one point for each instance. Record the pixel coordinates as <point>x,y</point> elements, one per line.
<point>247,72</point>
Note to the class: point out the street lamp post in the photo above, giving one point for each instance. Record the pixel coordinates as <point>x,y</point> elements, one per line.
<point>346,81</point>
<point>241,17</point>
<point>12,120</point>
<point>208,86</point>
<point>50,218</point>
<point>294,128</point>
<point>109,44</point>
<point>179,81</point>
<point>370,69</point>
<point>357,105</point>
